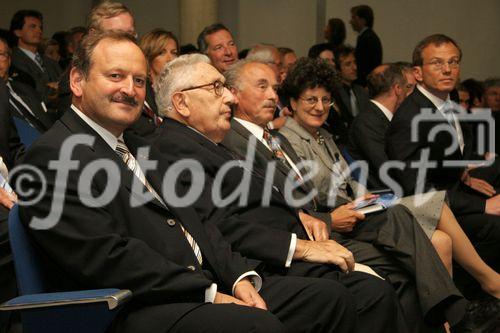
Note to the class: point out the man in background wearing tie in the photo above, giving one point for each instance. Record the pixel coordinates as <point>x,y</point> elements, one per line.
<point>24,101</point>
<point>27,26</point>
<point>353,98</point>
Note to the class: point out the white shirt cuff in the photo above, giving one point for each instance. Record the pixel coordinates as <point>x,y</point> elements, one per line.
<point>255,279</point>
<point>291,250</point>
<point>210,293</point>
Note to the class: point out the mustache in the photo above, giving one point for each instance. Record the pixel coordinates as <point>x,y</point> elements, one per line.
<point>125,99</point>
<point>270,104</point>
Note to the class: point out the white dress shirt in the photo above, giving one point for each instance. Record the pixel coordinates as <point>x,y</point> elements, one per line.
<point>32,56</point>
<point>443,105</point>
<point>388,114</point>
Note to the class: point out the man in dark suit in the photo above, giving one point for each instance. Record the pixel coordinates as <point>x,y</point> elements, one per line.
<point>27,26</point>
<point>270,233</point>
<point>368,45</point>
<point>350,97</point>
<point>181,272</point>
<point>107,16</point>
<point>24,101</point>
<point>474,201</point>
<point>389,85</point>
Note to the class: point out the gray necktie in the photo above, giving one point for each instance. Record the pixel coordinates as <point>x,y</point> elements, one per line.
<point>354,103</point>
<point>449,112</point>
<point>39,61</point>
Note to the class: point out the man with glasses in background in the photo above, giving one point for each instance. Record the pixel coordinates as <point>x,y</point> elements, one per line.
<point>443,138</point>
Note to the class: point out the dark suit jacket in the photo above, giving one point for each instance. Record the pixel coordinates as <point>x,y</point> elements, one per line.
<point>51,74</point>
<point>400,147</point>
<point>367,141</point>
<point>39,118</point>
<point>11,148</point>
<point>256,231</point>
<point>368,54</point>
<point>338,123</point>
<point>237,141</point>
<point>118,245</point>
<point>362,100</point>
<point>145,126</point>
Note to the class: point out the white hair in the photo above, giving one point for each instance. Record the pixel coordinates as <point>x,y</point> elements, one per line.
<point>176,75</point>
<point>263,55</point>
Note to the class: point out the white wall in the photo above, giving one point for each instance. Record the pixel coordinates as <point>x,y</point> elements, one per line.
<point>290,23</point>
<point>400,24</point>
<point>150,14</point>
<point>57,14</point>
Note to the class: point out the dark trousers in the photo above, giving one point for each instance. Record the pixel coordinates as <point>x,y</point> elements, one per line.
<point>295,304</point>
<point>483,231</point>
<point>398,235</point>
<point>376,306</point>
<point>400,280</point>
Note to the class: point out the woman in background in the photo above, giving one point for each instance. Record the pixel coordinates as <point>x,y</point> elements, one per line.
<point>159,47</point>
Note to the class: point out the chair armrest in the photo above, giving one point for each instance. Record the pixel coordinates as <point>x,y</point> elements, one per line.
<point>113,297</point>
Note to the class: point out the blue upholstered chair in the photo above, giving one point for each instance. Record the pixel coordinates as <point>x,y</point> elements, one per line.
<point>43,310</point>
<point>26,132</point>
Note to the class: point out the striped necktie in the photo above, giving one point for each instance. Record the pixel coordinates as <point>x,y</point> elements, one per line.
<point>39,61</point>
<point>129,159</point>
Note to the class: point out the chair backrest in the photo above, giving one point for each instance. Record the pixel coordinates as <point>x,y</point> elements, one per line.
<point>26,132</point>
<point>30,275</point>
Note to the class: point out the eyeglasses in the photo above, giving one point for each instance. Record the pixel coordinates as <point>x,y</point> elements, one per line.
<point>311,101</point>
<point>4,55</point>
<point>439,64</point>
<point>218,87</point>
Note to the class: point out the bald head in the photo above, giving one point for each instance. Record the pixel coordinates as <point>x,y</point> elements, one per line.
<point>268,54</point>
<point>380,69</point>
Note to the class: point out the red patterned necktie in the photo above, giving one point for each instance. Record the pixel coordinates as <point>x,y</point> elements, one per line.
<point>150,113</point>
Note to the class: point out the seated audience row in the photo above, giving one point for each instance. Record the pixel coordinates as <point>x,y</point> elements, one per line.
<point>274,239</point>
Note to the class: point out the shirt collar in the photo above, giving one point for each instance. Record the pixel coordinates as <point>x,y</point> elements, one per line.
<point>363,30</point>
<point>206,137</point>
<point>255,129</point>
<point>106,135</point>
<point>30,54</point>
<point>438,102</point>
<point>382,107</point>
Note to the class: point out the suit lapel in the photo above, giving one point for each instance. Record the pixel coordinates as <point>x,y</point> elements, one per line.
<point>382,119</point>
<point>185,215</point>
<point>37,112</point>
<point>424,102</point>
<point>24,59</point>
